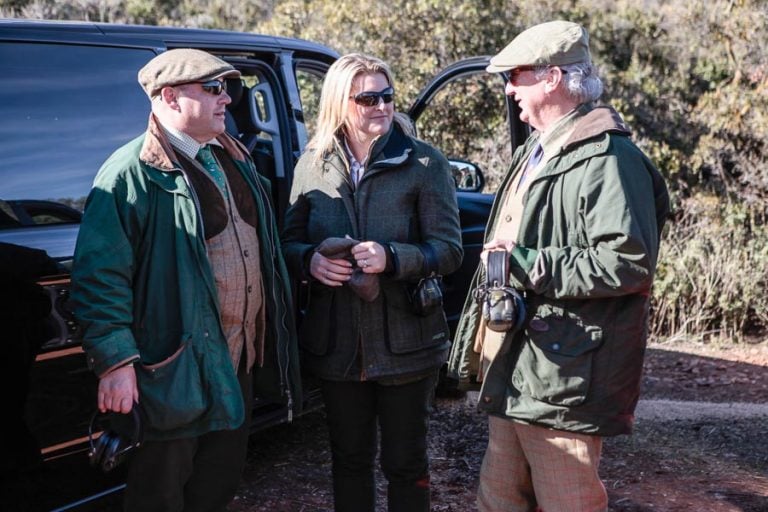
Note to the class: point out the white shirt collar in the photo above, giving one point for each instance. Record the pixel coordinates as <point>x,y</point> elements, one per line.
<point>352,160</point>
<point>184,142</point>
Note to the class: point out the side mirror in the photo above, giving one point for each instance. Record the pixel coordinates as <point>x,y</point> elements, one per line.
<point>468,176</point>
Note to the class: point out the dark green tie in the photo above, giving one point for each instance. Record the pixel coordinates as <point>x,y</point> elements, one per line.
<point>206,158</point>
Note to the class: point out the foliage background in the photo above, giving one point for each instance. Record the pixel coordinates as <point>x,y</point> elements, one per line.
<point>690,77</point>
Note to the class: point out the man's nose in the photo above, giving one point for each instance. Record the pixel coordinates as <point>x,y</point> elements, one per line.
<point>509,89</point>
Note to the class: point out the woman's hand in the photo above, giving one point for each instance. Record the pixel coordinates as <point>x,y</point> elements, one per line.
<point>330,272</point>
<point>370,256</point>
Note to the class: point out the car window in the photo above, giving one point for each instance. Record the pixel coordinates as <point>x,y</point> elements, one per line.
<point>467,120</point>
<point>310,83</point>
<point>65,109</point>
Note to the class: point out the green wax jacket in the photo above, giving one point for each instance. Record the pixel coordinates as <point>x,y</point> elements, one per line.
<point>143,290</point>
<point>585,258</point>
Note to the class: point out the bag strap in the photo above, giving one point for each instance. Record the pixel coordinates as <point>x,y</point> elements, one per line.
<point>497,274</point>
<point>429,266</point>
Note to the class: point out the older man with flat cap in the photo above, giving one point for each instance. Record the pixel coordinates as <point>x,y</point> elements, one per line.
<point>578,217</point>
<point>180,288</point>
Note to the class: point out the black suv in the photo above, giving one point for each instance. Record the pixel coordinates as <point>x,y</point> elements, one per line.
<point>68,98</point>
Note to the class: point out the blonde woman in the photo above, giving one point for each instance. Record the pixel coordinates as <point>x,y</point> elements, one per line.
<point>372,211</point>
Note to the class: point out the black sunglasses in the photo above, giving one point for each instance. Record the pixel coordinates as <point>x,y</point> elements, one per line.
<point>215,87</point>
<point>371,98</point>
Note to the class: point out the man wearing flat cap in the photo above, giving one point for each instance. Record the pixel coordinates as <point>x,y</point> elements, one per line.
<point>579,217</point>
<point>182,293</point>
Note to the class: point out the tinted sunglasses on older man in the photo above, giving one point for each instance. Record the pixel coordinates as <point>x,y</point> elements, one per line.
<point>371,98</point>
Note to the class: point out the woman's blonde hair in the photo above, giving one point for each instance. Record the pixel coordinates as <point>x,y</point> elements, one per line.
<point>334,107</point>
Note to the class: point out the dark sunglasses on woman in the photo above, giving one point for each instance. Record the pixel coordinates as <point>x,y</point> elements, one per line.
<point>371,98</point>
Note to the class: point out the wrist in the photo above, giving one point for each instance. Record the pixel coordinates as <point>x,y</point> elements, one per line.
<point>389,254</point>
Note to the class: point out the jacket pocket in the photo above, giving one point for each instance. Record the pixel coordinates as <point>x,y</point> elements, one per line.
<point>319,322</point>
<point>171,392</point>
<point>555,362</point>
<point>407,332</point>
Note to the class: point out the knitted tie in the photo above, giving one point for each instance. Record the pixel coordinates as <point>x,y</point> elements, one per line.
<point>206,158</point>
<point>533,161</point>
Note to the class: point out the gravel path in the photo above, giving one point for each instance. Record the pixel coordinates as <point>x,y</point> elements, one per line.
<point>680,410</point>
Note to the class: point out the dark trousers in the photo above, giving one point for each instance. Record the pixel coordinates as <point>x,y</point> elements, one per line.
<point>353,410</point>
<point>197,474</point>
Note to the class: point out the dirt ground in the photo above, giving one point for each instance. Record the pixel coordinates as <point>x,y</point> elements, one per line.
<point>707,456</point>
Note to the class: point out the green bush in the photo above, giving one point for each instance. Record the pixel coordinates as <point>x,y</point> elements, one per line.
<point>712,273</point>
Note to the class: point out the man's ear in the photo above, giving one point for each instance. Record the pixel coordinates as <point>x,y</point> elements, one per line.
<point>553,79</point>
<point>169,97</point>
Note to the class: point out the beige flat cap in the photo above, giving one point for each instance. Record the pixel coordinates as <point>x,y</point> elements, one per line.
<point>182,65</point>
<point>555,43</point>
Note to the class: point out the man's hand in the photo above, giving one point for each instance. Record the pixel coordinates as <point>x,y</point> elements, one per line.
<point>496,244</point>
<point>118,390</point>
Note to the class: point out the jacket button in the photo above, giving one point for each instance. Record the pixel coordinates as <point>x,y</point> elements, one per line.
<point>508,218</point>
<point>245,253</point>
<point>250,288</point>
<point>555,346</point>
<point>205,334</point>
<point>487,399</point>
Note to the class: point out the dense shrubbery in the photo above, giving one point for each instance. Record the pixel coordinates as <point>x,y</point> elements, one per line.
<point>711,276</point>
<point>690,76</point>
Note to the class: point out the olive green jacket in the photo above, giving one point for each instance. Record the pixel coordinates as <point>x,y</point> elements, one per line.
<point>585,257</point>
<point>143,289</point>
<point>405,197</point>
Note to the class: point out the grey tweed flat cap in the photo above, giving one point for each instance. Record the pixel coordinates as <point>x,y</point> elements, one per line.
<point>555,43</point>
<point>182,65</point>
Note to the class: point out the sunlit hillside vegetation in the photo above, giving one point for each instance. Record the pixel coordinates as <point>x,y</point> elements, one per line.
<point>690,77</point>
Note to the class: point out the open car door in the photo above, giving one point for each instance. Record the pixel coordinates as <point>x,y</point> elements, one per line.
<point>464,112</point>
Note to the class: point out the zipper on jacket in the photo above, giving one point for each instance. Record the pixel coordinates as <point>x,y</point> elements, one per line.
<point>363,376</point>
<point>290,407</point>
<point>284,384</point>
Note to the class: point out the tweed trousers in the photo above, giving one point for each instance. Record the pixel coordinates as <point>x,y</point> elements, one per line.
<point>528,468</point>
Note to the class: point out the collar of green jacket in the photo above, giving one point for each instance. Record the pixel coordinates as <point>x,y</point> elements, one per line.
<point>389,150</point>
<point>589,124</point>
<point>157,152</point>
<point>595,122</point>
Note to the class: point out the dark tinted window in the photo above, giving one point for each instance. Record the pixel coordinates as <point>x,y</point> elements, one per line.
<point>63,109</point>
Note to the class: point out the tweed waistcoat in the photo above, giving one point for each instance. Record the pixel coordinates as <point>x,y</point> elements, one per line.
<point>233,253</point>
